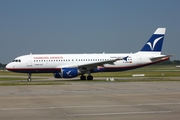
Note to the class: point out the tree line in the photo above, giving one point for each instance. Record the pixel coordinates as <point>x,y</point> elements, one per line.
<point>2,66</point>
<point>169,62</point>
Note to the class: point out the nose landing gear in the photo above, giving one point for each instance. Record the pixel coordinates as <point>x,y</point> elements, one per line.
<point>29,77</point>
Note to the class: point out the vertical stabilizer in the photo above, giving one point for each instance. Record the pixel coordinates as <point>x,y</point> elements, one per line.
<point>154,44</point>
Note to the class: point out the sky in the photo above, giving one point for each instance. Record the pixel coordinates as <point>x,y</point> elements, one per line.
<point>85,26</point>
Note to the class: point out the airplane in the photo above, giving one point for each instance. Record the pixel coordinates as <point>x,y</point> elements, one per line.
<point>72,65</point>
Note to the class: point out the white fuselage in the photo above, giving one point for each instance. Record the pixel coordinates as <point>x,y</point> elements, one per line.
<point>50,63</point>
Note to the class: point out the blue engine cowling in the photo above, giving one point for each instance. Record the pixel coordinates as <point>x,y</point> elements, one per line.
<point>67,73</point>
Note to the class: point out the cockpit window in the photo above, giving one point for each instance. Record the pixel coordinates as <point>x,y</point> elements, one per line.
<point>17,60</point>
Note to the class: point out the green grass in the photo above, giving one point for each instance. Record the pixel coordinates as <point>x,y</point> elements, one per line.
<point>152,73</point>
<point>10,78</point>
<point>150,79</point>
<point>149,71</point>
<point>32,83</point>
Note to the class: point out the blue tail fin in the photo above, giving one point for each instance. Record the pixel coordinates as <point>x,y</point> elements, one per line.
<point>155,43</point>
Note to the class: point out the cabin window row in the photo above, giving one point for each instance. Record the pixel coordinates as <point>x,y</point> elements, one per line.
<point>72,60</point>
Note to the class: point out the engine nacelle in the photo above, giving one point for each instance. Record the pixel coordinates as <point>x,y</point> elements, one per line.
<point>67,73</point>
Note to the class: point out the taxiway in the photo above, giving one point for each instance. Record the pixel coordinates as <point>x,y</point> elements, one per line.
<point>91,101</point>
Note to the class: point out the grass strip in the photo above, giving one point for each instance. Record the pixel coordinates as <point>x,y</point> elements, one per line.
<point>32,83</point>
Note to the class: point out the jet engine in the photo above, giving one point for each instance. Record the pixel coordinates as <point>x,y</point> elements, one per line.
<point>67,73</point>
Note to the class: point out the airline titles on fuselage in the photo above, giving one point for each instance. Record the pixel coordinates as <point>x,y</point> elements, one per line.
<point>46,57</point>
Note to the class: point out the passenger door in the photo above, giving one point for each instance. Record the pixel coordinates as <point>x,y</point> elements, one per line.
<point>29,61</point>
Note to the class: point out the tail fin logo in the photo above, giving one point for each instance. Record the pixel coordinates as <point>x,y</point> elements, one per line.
<point>155,42</point>
<point>152,45</point>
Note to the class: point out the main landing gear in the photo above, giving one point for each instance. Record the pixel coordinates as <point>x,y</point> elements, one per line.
<point>89,77</point>
<point>29,77</point>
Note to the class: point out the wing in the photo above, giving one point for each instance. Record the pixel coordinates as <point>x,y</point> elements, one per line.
<point>90,65</point>
<point>86,67</point>
<point>99,63</point>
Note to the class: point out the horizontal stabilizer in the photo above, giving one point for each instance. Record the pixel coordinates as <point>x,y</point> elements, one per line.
<point>160,58</point>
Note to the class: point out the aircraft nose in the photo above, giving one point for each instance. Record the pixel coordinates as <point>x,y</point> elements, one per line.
<point>9,66</point>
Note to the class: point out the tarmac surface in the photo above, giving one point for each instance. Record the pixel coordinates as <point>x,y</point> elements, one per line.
<point>91,101</point>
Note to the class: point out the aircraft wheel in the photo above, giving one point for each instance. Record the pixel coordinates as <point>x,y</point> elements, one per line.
<point>29,79</point>
<point>83,77</point>
<point>89,77</point>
